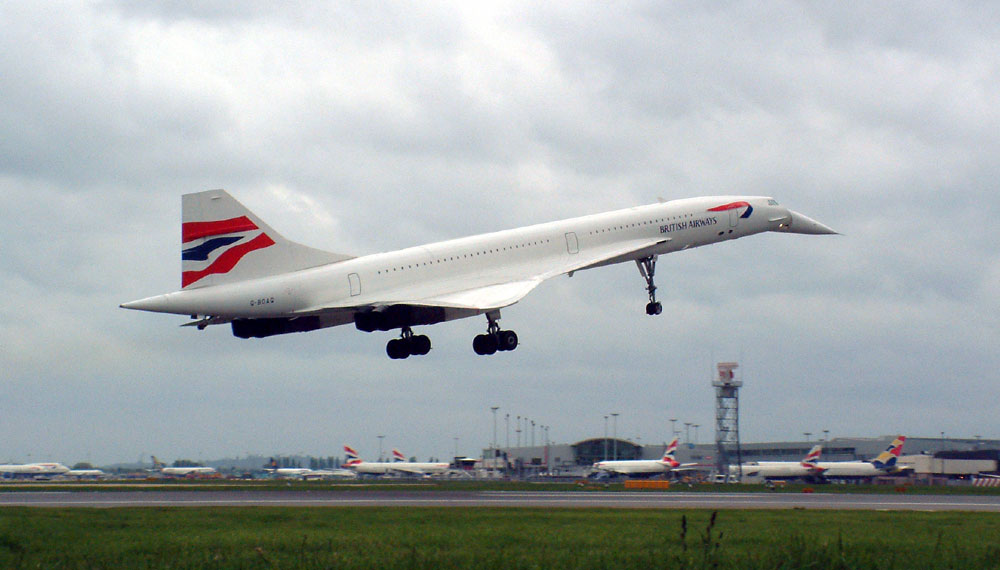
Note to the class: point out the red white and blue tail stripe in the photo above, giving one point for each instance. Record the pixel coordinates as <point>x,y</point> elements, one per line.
<point>215,247</point>
<point>352,456</point>
<point>811,460</point>
<point>668,455</point>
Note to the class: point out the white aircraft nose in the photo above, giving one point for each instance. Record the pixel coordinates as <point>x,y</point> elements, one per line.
<point>802,224</point>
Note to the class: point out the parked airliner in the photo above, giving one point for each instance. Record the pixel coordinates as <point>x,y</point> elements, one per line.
<point>885,463</point>
<point>237,270</point>
<point>783,469</point>
<point>191,471</point>
<point>32,470</point>
<point>398,465</point>
<point>640,467</point>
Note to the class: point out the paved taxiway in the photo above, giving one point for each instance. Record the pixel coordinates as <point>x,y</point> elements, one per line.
<point>402,498</point>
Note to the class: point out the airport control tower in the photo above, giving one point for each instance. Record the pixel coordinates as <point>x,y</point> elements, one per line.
<point>727,417</point>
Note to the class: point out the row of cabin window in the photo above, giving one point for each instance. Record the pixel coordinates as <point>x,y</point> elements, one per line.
<point>464,255</point>
<point>646,223</point>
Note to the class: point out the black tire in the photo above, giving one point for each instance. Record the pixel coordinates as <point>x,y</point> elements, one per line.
<point>397,349</point>
<point>484,344</point>
<point>420,345</point>
<point>507,340</point>
<point>477,344</point>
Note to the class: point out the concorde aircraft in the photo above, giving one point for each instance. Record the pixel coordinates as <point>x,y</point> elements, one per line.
<point>237,270</point>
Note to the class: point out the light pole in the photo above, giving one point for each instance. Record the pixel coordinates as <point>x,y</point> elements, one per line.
<point>605,438</point>
<point>673,428</point>
<point>826,435</point>
<point>518,431</point>
<point>807,434</point>
<point>494,449</point>
<point>506,431</point>
<point>532,433</point>
<point>687,432</point>
<point>380,438</point>
<point>614,434</point>
<point>456,446</point>
<point>695,433</point>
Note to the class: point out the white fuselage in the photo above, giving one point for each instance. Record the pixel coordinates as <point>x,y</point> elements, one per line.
<point>633,466</point>
<point>774,469</point>
<point>834,469</point>
<point>528,253</point>
<point>33,469</point>
<point>405,467</point>
<point>184,471</point>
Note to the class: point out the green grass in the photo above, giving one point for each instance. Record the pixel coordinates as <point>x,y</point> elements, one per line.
<point>493,538</point>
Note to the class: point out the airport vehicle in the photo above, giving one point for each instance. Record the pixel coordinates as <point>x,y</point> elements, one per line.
<point>784,469</point>
<point>640,467</point>
<point>32,470</point>
<point>398,465</point>
<point>191,471</point>
<point>237,270</point>
<point>883,464</point>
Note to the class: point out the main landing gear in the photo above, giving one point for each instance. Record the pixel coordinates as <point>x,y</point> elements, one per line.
<point>647,267</point>
<point>408,344</point>
<point>494,339</point>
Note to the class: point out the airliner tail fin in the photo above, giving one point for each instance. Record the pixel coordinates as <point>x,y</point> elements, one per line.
<point>224,242</point>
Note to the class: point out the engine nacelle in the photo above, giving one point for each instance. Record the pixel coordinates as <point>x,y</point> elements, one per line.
<point>398,316</point>
<point>260,328</point>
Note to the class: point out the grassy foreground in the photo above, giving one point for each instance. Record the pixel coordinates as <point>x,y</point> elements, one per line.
<point>493,538</point>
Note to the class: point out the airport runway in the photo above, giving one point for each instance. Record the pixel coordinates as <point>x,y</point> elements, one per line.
<point>590,499</point>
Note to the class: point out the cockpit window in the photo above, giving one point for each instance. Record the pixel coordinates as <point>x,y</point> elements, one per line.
<point>772,202</point>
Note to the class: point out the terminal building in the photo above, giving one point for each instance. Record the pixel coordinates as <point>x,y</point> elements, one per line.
<point>928,456</point>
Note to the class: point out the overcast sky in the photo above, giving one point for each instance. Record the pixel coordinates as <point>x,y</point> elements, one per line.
<point>360,129</point>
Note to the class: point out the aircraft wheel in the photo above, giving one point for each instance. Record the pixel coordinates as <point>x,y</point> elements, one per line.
<point>507,340</point>
<point>420,345</point>
<point>654,308</point>
<point>484,344</point>
<point>397,349</point>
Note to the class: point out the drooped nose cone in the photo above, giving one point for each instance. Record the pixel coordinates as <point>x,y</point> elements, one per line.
<point>802,224</point>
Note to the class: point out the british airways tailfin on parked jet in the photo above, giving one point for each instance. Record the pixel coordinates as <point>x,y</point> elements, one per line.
<point>218,233</point>
<point>886,461</point>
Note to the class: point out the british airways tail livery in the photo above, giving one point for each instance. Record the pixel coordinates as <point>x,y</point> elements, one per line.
<point>236,269</point>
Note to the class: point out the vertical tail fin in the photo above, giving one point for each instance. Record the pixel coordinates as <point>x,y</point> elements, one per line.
<point>811,459</point>
<point>398,456</point>
<point>225,242</point>
<point>668,455</point>
<point>352,456</point>
<point>157,464</point>
<point>888,458</point>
